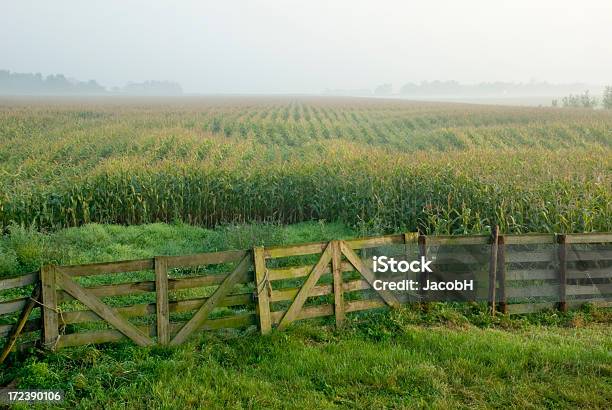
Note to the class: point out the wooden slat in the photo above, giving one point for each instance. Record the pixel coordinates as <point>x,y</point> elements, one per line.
<point>145,309</point>
<point>320,290</point>
<point>589,273</point>
<point>318,247</point>
<point>21,322</point>
<point>533,291</point>
<point>48,277</point>
<point>107,267</point>
<point>531,274</point>
<point>365,271</point>
<point>589,237</point>
<point>161,300</point>
<point>600,289</point>
<point>374,242</point>
<point>549,256</point>
<point>103,310</point>
<point>294,250</point>
<point>338,286</point>
<point>309,283</point>
<point>111,335</point>
<point>593,255</point>
<point>309,312</point>
<point>12,306</point>
<point>210,258</point>
<point>262,290</point>
<point>290,293</point>
<point>295,272</point>
<point>530,239</point>
<point>551,274</point>
<point>312,312</point>
<point>436,240</point>
<point>31,325</point>
<point>530,256</point>
<point>135,288</point>
<point>201,316</point>
<point>19,281</point>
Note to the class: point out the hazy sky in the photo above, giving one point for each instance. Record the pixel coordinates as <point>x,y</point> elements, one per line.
<point>308,45</point>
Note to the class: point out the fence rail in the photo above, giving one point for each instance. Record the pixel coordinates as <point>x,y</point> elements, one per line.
<point>166,299</point>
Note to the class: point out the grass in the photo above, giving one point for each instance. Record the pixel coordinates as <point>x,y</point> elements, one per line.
<point>407,359</point>
<point>24,250</point>
<point>446,357</point>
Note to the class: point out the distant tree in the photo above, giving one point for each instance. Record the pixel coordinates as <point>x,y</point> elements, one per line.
<point>384,89</point>
<point>587,101</point>
<point>555,103</point>
<point>583,100</point>
<point>607,98</point>
<point>28,83</point>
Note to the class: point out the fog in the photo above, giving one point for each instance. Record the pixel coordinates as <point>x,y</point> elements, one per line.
<point>291,46</point>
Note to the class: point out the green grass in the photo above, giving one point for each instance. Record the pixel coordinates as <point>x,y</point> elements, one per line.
<point>24,250</point>
<point>449,356</point>
<point>407,359</point>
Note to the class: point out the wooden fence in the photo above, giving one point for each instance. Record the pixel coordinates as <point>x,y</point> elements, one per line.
<point>166,299</point>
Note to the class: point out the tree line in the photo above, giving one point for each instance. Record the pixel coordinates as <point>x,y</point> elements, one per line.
<point>585,100</point>
<point>12,83</point>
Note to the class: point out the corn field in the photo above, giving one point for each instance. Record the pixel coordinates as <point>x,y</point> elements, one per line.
<point>382,165</point>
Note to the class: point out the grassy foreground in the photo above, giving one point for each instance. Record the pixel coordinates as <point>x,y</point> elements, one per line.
<point>405,359</point>
<point>445,358</point>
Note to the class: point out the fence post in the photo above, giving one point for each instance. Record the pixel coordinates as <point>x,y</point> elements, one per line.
<point>262,287</point>
<point>501,262</point>
<point>493,268</point>
<point>424,276</point>
<point>562,253</point>
<point>338,288</point>
<point>161,300</point>
<point>49,307</point>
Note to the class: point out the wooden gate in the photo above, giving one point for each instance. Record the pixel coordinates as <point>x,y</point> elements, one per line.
<point>330,261</point>
<point>60,286</point>
<point>274,286</point>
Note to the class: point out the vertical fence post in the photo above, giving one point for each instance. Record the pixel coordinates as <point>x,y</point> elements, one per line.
<point>161,300</point>
<point>49,308</point>
<point>562,254</point>
<point>501,268</point>
<point>262,287</point>
<point>338,289</point>
<point>493,268</point>
<point>424,276</point>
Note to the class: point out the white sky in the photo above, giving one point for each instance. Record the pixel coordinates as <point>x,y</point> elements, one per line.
<point>309,45</point>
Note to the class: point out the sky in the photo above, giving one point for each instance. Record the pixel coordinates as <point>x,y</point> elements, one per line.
<point>265,46</point>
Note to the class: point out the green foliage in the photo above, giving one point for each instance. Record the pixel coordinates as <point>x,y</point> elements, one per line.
<point>583,100</point>
<point>25,249</point>
<point>402,359</point>
<point>378,166</point>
